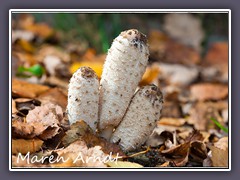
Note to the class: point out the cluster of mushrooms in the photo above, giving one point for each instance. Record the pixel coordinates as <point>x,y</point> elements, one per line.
<point>115,107</point>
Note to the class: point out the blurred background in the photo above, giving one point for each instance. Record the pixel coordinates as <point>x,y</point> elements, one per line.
<point>188,56</point>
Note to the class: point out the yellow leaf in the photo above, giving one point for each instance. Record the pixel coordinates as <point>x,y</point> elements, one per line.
<point>123,164</point>
<point>150,75</point>
<point>25,45</point>
<point>96,66</point>
<point>24,146</point>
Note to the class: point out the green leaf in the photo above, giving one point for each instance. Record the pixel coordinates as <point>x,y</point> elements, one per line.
<point>36,70</point>
<point>219,125</point>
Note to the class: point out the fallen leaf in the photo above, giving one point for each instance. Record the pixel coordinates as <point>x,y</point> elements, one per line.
<point>14,109</point>
<point>167,50</point>
<point>25,104</point>
<point>217,55</point>
<point>185,28</point>
<point>80,130</point>
<point>40,29</point>
<point>51,62</point>
<point>57,82</point>
<point>222,143</point>
<point>150,75</point>
<point>50,116</point>
<point>80,155</point>
<point>55,96</point>
<point>172,121</point>
<point>25,46</point>
<point>171,109</point>
<point>47,50</point>
<point>27,130</point>
<point>28,90</point>
<point>24,146</point>
<point>201,113</point>
<point>177,74</point>
<point>209,91</point>
<point>21,34</point>
<point>179,154</point>
<point>123,164</point>
<point>219,157</point>
<point>27,59</point>
<point>76,130</point>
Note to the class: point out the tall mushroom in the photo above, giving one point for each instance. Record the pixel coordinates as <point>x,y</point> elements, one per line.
<point>124,67</point>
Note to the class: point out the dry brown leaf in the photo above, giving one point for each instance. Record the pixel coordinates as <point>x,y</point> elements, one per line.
<point>40,29</point>
<point>178,154</point>
<point>177,74</point>
<point>80,130</point>
<point>202,112</point>
<point>27,130</point>
<point>14,109</point>
<point>26,58</point>
<point>222,143</point>
<point>217,55</point>
<point>78,154</point>
<point>76,130</point>
<point>167,50</point>
<point>25,104</point>
<point>54,95</point>
<point>208,91</point>
<point>185,28</point>
<point>123,164</point>
<point>24,89</point>
<point>192,146</point>
<point>219,157</point>
<point>24,146</point>
<point>172,121</point>
<point>47,50</point>
<point>171,109</point>
<point>50,116</point>
<point>198,151</point>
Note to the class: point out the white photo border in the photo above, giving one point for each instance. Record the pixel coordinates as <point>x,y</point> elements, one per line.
<point>12,11</point>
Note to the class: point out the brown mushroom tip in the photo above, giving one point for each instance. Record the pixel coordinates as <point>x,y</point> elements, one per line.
<point>153,92</point>
<point>135,36</point>
<point>87,72</point>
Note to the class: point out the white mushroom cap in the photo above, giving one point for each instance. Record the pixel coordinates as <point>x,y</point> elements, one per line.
<point>83,97</point>
<point>123,69</point>
<point>140,118</point>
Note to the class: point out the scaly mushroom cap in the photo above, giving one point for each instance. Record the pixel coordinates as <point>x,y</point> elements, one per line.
<point>83,97</point>
<point>123,69</point>
<point>140,118</point>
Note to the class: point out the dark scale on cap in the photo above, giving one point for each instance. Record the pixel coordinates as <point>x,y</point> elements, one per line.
<point>135,36</point>
<point>87,72</point>
<point>153,93</point>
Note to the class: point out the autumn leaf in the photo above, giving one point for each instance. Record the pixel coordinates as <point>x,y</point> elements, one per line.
<point>78,154</point>
<point>80,130</point>
<point>19,88</point>
<point>24,146</point>
<point>123,164</point>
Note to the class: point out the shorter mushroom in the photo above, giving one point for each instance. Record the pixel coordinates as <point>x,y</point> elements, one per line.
<point>140,119</point>
<point>83,97</point>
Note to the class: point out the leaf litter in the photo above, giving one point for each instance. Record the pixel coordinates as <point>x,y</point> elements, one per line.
<point>194,87</point>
